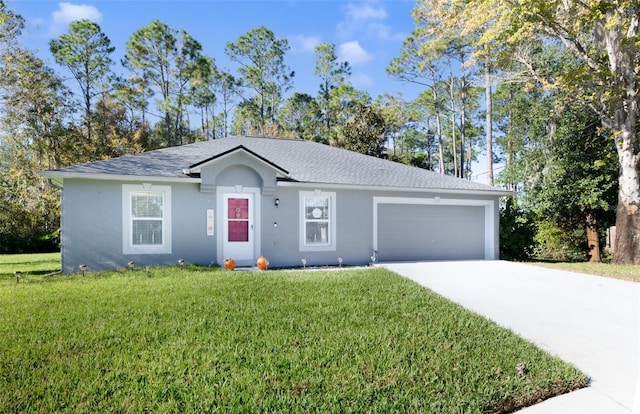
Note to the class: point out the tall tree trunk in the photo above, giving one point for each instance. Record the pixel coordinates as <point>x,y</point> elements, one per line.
<point>488,119</point>
<point>463,129</point>
<point>627,247</point>
<point>167,129</point>
<point>622,60</point>
<point>509,144</point>
<point>439,131</point>
<point>454,144</point>
<point>429,147</point>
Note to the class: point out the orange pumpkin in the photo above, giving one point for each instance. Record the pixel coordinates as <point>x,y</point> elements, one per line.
<point>229,264</point>
<point>262,263</point>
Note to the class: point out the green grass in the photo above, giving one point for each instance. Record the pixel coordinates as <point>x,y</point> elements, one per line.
<point>29,264</point>
<point>625,272</point>
<point>171,340</point>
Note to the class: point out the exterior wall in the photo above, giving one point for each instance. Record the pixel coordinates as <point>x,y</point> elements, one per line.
<point>92,227</point>
<point>92,222</point>
<point>354,230</point>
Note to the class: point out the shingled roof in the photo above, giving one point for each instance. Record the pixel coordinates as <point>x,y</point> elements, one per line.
<point>304,161</point>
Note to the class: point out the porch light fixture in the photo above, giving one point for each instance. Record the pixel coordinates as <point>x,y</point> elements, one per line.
<point>276,202</point>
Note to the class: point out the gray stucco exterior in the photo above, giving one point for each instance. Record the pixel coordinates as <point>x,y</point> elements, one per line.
<point>95,224</point>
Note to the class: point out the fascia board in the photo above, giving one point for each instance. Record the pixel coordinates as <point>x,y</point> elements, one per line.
<point>297,184</point>
<point>58,177</point>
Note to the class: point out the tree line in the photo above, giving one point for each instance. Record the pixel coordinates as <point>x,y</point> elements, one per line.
<point>549,102</point>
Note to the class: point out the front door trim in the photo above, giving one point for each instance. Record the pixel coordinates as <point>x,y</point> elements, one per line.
<point>221,192</point>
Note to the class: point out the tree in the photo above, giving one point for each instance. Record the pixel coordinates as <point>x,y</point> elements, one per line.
<point>134,94</point>
<point>301,115</point>
<point>119,134</point>
<point>420,62</point>
<point>167,59</point>
<point>85,51</point>
<point>203,96</point>
<point>579,184</point>
<point>33,136</point>
<point>332,74</point>
<point>11,26</point>
<point>604,37</point>
<point>364,131</point>
<point>524,118</point>
<point>261,59</point>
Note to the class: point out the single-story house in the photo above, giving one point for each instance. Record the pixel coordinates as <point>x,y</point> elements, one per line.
<point>291,201</point>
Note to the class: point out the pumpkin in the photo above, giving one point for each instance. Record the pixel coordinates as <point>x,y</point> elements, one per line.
<point>229,264</point>
<point>262,263</point>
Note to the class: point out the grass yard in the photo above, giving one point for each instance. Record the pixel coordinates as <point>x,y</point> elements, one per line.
<point>625,272</point>
<point>198,339</point>
<point>29,264</point>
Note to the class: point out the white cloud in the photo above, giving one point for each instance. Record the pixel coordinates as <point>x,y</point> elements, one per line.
<point>353,53</point>
<point>364,11</point>
<point>358,16</point>
<point>68,13</point>
<point>304,44</point>
<point>360,80</point>
<point>378,31</point>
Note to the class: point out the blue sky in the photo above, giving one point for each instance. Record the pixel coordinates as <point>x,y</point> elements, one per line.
<point>367,33</point>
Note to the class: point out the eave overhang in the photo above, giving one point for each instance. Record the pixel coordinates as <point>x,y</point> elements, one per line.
<point>57,178</point>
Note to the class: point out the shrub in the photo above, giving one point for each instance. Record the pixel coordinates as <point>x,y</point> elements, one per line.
<point>555,244</point>
<point>517,232</point>
<point>39,243</point>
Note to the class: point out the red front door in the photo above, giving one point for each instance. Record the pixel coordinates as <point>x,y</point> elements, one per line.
<point>239,227</point>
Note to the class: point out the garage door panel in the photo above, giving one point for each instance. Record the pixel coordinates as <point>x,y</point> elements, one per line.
<point>428,232</point>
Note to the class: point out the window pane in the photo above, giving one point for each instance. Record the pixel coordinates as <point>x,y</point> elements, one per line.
<point>238,208</point>
<point>146,205</point>
<point>317,232</point>
<point>147,232</point>
<point>238,231</point>
<point>316,208</point>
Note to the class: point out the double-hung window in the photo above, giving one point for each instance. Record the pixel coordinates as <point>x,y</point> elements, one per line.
<point>317,221</point>
<point>146,219</point>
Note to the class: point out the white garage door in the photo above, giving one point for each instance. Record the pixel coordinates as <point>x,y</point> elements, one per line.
<point>430,232</point>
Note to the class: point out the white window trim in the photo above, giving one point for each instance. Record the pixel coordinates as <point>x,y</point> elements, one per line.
<point>331,246</point>
<point>127,243</point>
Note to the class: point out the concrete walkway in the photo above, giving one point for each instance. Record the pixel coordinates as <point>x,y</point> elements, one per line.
<point>590,321</point>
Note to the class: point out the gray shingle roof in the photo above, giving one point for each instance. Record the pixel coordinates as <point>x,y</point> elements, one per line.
<point>305,161</point>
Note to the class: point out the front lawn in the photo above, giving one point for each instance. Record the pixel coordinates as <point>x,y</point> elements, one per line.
<point>29,264</point>
<point>624,272</point>
<point>171,340</point>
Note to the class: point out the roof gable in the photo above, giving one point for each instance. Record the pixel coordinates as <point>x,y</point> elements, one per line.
<point>198,166</point>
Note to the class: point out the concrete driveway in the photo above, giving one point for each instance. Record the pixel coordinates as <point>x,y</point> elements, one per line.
<point>590,321</point>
